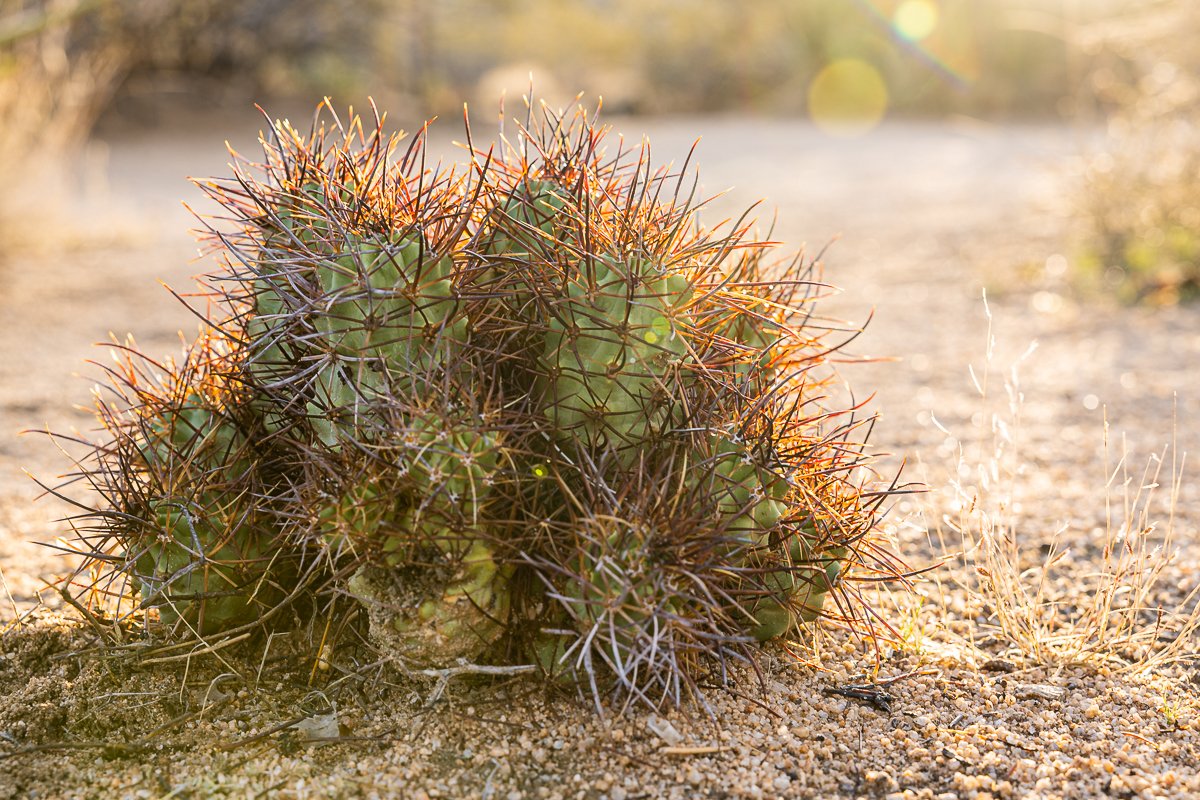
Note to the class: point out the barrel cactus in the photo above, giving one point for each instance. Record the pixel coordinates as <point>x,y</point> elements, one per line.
<point>532,412</point>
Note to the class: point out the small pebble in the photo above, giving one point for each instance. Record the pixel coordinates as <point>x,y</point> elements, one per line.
<point>664,730</point>
<point>1039,691</point>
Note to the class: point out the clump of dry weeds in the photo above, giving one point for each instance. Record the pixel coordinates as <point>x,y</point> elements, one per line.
<point>1043,599</point>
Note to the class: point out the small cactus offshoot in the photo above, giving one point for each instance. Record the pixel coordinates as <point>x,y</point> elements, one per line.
<point>528,412</point>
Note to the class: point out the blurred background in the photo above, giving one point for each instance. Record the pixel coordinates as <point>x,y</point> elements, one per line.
<point>74,72</point>
<point>71,61</point>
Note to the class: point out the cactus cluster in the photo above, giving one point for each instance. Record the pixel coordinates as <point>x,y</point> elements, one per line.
<point>525,411</point>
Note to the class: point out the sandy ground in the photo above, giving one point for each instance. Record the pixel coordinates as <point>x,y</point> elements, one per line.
<point>927,216</point>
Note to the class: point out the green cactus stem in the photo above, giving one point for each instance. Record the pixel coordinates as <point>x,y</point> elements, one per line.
<point>205,565</point>
<point>612,352</point>
<point>528,220</point>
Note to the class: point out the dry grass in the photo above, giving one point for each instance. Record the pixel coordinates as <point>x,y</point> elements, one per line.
<point>1040,599</point>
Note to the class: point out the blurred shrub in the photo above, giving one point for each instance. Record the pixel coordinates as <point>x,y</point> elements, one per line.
<point>58,68</point>
<point>63,61</point>
<point>59,65</point>
<point>1141,196</point>
<point>262,46</point>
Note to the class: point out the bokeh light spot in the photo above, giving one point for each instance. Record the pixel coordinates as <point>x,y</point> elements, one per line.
<point>915,19</point>
<point>847,97</point>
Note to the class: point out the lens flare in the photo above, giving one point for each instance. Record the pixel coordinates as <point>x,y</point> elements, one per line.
<point>915,19</point>
<point>847,97</point>
<point>952,60</point>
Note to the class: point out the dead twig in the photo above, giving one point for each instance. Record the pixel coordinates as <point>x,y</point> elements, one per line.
<point>874,692</point>
<point>445,674</point>
<point>694,750</point>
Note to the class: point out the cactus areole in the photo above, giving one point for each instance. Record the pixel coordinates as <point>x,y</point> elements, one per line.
<point>523,411</point>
